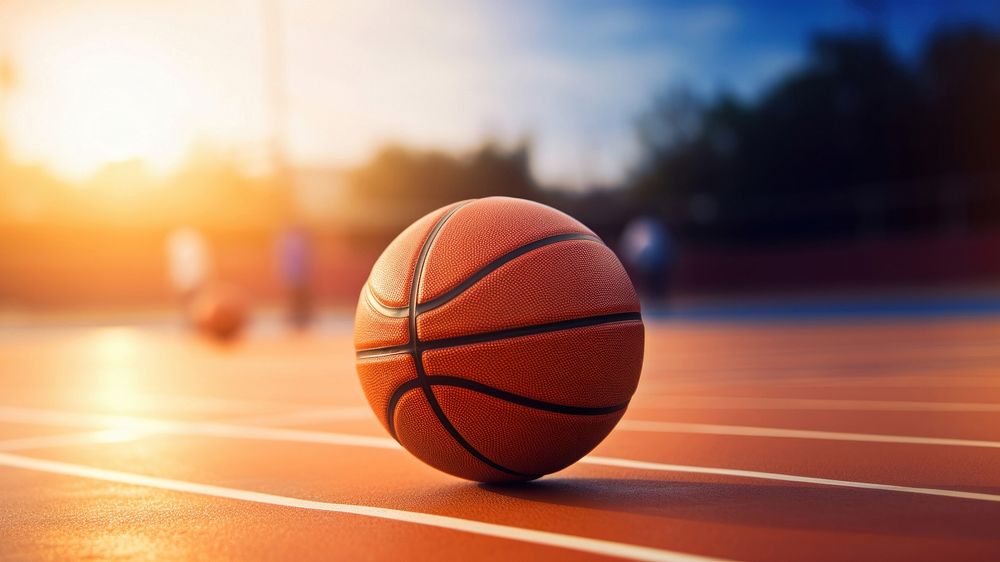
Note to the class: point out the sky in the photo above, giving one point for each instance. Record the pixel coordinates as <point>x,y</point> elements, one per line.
<point>102,81</point>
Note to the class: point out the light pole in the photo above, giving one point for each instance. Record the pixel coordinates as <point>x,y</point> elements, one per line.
<point>277,99</point>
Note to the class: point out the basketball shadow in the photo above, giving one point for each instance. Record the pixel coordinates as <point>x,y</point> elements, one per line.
<point>774,505</point>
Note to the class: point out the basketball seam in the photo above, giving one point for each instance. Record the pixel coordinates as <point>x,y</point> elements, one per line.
<point>447,380</point>
<point>520,400</point>
<point>394,399</point>
<point>486,337</point>
<point>375,300</point>
<point>522,331</point>
<point>418,360</point>
<point>500,262</point>
<point>403,311</point>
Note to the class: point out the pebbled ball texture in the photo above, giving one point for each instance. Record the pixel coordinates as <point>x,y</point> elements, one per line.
<point>498,339</point>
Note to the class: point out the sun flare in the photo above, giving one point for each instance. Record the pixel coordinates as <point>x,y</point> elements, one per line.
<point>97,101</point>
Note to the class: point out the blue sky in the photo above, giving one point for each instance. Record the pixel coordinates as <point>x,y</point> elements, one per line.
<point>106,80</point>
<point>647,46</point>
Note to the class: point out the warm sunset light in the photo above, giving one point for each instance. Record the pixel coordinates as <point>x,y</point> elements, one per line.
<point>103,81</point>
<point>112,102</point>
<point>112,355</point>
<point>477,280</point>
<point>99,83</point>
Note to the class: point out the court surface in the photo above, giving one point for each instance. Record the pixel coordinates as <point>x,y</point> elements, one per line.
<point>859,438</point>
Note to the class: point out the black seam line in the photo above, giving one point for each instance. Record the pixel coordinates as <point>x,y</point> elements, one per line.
<point>445,380</point>
<point>397,395</point>
<point>502,334</point>
<point>497,263</point>
<point>531,330</point>
<point>418,362</point>
<point>413,345</point>
<point>403,311</point>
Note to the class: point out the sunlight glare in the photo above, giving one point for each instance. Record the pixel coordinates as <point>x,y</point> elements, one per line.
<point>114,101</point>
<point>116,353</point>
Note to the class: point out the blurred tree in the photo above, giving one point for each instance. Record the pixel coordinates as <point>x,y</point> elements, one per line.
<point>960,79</point>
<point>210,189</point>
<point>855,137</point>
<point>403,184</point>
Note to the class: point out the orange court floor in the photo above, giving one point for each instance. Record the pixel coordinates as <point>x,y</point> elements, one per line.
<point>747,440</point>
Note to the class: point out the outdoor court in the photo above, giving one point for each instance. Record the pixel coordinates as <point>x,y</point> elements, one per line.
<point>837,439</point>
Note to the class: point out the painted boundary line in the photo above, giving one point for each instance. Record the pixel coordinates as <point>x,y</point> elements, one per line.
<point>68,440</point>
<point>303,417</point>
<point>752,431</point>
<point>139,427</point>
<point>766,403</point>
<point>753,474</point>
<point>545,538</point>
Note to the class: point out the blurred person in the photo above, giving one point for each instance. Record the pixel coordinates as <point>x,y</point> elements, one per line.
<point>648,252</point>
<point>188,262</point>
<point>295,268</point>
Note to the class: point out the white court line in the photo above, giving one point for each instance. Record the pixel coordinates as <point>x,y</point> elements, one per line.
<point>180,403</point>
<point>207,404</point>
<point>752,431</point>
<point>177,427</point>
<point>749,403</point>
<point>737,473</point>
<point>69,440</point>
<point>545,538</point>
<point>327,438</point>
<point>304,417</point>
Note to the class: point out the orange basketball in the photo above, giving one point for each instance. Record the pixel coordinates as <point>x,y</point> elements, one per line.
<point>498,339</point>
<point>219,312</point>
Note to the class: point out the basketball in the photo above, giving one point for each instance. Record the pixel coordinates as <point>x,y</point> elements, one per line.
<point>498,339</point>
<point>218,312</point>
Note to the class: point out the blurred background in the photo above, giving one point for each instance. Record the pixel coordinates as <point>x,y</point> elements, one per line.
<point>730,151</point>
